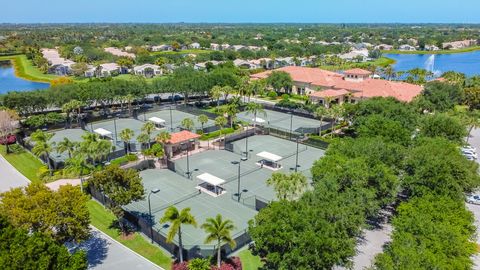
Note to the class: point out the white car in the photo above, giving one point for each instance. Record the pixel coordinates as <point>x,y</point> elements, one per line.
<point>468,149</point>
<point>473,199</point>
<point>469,153</point>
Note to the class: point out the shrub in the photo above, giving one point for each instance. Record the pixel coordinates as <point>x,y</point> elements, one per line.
<point>285,97</point>
<point>180,266</point>
<point>124,160</point>
<point>16,149</point>
<point>272,95</point>
<point>215,134</point>
<point>199,264</point>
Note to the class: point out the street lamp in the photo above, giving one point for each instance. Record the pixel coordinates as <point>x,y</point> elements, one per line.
<point>188,160</point>
<point>291,124</point>
<point>171,121</point>
<point>115,126</point>
<point>246,144</point>
<point>153,191</point>
<point>296,157</point>
<point>238,179</point>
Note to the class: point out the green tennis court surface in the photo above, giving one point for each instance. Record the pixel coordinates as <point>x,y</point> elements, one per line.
<point>282,121</point>
<point>174,122</point>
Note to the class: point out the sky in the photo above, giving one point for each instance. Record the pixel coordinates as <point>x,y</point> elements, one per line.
<point>240,11</point>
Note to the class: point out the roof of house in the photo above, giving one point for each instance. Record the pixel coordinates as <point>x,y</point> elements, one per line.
<point>329,93</point>
<point>358,71</point>
<point>144,66</point>
<point>182,136</point>
<point>365,88</point>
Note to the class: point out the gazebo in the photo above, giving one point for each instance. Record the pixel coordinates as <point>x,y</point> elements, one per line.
<point>159,122</point>
<point>211,184</point>
<point>269,161</point>
<point>103,133</point>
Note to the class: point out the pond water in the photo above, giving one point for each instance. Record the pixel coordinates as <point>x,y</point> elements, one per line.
<point>10,82</point>
<point>468,63</point>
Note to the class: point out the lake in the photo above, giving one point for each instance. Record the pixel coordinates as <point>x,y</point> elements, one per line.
<point>10,82</point>
<point>468,63</point>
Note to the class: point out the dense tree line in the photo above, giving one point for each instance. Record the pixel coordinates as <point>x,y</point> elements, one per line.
<point>395,153</point>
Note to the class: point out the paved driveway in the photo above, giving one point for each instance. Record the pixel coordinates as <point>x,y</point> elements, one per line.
<point>10,177</point>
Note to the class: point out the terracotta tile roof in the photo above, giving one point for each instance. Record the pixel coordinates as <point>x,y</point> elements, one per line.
<point>182,136</point>
<point>366,88</point>
<point>330,93</point>
<point>358,71</point>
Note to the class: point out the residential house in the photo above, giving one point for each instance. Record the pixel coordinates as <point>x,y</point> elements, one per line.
<point>215,47</point>
<point>384,47</point>
<point>244,64</point>
<point>456,45</point>
<point>237,47</point>
<point>431,48</point>
<point>103,70</point>
<point>325,87</point>
<point>203,65</point>
<point>147,70</point>
<point>118,52</point>
<point>161,48</point>
<point>225,46</point>
<point>57,65</point>
<point>355,55</point>
<point>406,47</point>
<point>194,46</point>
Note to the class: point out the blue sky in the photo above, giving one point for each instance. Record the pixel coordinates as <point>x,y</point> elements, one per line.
<point>265,11</point>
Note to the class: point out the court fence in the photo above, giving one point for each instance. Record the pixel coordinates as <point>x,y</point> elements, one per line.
<point>144,224</point>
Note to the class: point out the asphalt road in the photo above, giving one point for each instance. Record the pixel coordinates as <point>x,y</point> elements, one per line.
<point>10,177</point>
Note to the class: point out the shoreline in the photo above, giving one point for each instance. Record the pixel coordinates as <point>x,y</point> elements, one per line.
<point>465,50</point>
<point>20,69</point>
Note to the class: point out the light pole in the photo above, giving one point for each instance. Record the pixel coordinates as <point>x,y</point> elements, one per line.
<point>188,160</point>
<point>296,157</point>
<point>291,124</point>
<point>153,191</point>
<point>171,121</point>
<point>238,179</point>
<point>115,126</point>
<point>246,144</point>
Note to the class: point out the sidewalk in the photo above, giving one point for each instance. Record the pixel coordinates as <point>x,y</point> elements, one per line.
<point>10,177</point>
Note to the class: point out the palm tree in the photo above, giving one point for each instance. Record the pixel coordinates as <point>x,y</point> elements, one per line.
<point>144,139</point>
<point>129,99</point>
<point>66,146</point>
<point>187,124</point>
<point>220,231</point>
<point>126,135</point>
<point>389,72</point>
<point>177,219</point>
<point>202,119</point>
<point>148,129</point>
<point>42,146</point>
<point>320,113</point>
<point>216,93</point>
<point>336,112</point>
<point>230,111</point>
<point>288,187</point>
<point>473,122</point>
<point>220,122</point>
<point>255,109</point>
<point>163,137</point>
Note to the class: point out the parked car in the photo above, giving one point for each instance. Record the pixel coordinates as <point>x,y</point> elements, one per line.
<point>473,199</point>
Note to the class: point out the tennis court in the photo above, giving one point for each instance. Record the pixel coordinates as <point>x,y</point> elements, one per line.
<point>282,121</point>
<point>74,135</point>
<point>117,126</point>
<point>173,120</point>
<point>181,192</point>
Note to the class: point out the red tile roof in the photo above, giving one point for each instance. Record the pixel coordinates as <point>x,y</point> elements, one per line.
<point>182,136</point>
<point>330,93</point>
<point>365,88</point>
<point>358,71</point>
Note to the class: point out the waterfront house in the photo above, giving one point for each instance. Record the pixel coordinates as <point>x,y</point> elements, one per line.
<point>194,46</point>
<point>147,70</point>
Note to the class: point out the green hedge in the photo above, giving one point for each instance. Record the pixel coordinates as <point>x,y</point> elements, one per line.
<point>124,160</point>
<point>215,134</point>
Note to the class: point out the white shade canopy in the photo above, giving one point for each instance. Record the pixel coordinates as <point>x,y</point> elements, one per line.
<point>258,120</point>
<point>102,132</point>
<point>269,156</point>
<point>213,180</point>
<point>156,120</point>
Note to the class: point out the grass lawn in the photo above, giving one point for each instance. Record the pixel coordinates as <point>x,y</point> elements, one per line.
<point>102,219</point>
<point>380,62</point>
<point>464,50</point>
<point>26,70</point>
<point>24,162</point>
<point>249,262</point>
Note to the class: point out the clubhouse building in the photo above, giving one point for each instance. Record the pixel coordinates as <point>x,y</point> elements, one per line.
<point>326,87</point>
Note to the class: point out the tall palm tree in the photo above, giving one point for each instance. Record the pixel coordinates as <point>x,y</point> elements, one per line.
<point>220,122</point>
<point>144,139</point>
<point>336,112</point>
<point>216,93</point>
<point>220,231</point>
<point>66,146</point>
<point>473,122</point>
<point>148,129</point>
<point>129,99</point>
<point>202,119</point>
<point>320,113</point>
<point>126,135</point>
<point>230,111</point>
<point>187,124</point>
<point>255,109</point>
<point>42,146</point>
<point>177,219</point>
<point>163,137</point>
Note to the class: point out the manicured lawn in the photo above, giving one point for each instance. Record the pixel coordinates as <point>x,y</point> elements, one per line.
<point>249,262</point>
<point>380,62</point>
<point>102,218</point>
<point>469,49</point>
<point>24,162</point>
<point>26,70</point>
